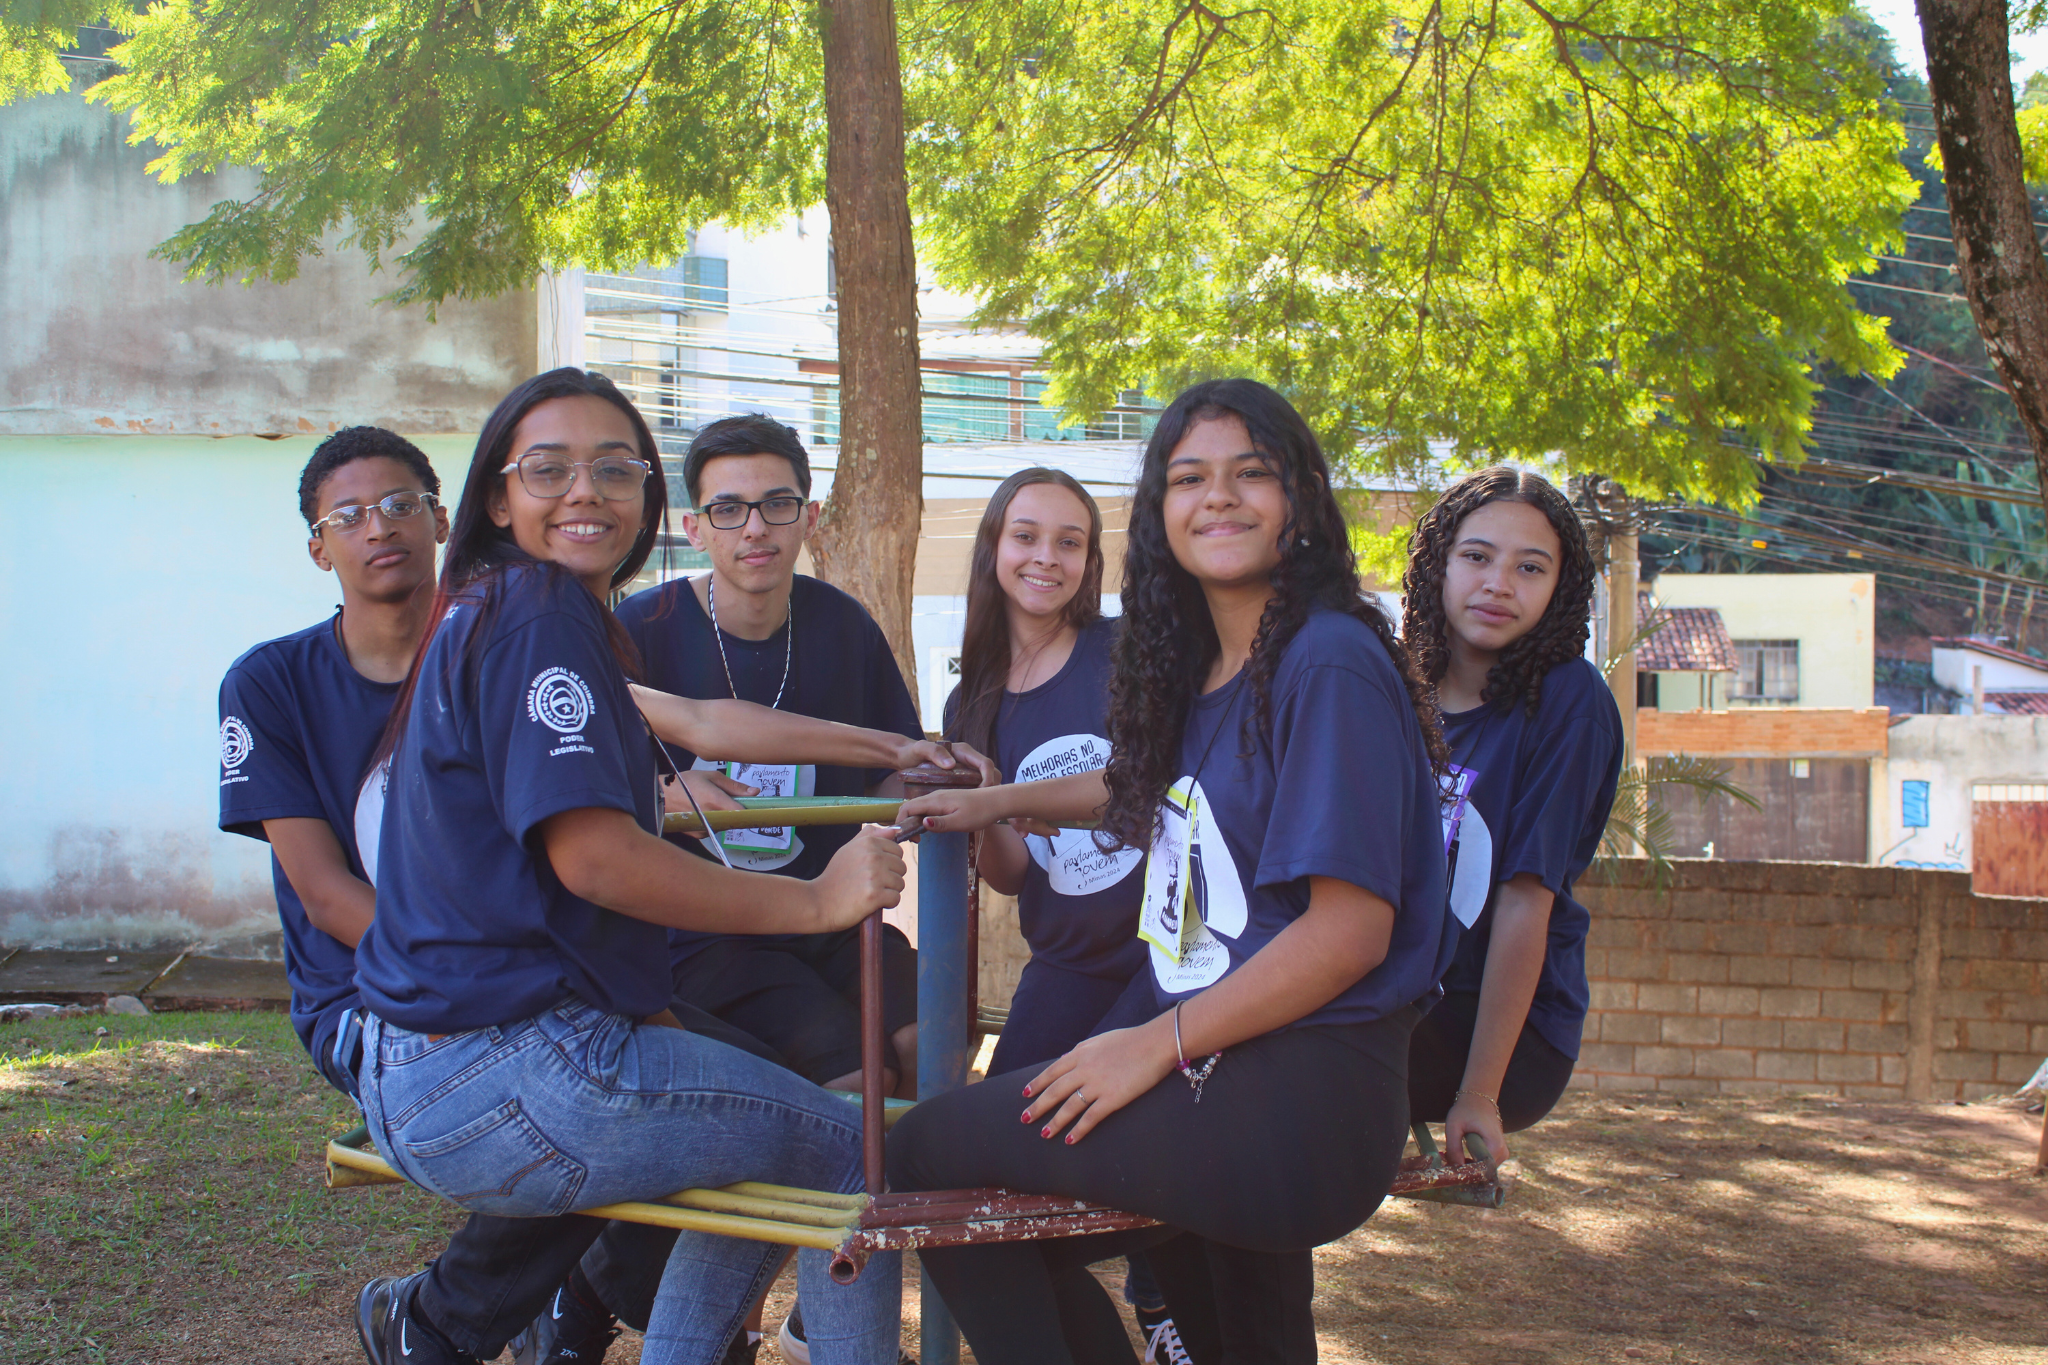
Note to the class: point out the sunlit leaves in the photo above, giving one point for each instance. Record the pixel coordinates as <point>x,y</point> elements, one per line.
<point>1620,231</point>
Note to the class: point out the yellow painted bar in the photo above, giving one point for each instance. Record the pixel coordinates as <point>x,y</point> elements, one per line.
<point>786,811</point>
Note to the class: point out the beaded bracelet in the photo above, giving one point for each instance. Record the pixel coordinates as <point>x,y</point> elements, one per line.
<point>1197,1075</point>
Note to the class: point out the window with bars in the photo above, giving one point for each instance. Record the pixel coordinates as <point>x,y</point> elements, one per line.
<point>1766,670</point>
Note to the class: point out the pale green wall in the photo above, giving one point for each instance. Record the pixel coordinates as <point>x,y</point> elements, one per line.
<point>133,571</point>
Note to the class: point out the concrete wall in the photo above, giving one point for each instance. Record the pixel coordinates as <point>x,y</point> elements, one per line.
<point>1951,754</point>
<point>1832,615</point>
<point>133,571</point>
<point>1861,981</point>
<point>101,338</point>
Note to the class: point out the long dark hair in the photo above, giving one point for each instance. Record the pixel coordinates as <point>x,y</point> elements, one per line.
<point>1517,675</point>
<point>479,550</point>
<point>985,643</point>
<point>1169,640</point>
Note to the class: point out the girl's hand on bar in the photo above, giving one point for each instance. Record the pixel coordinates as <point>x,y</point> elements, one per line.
<point>864,876</point>
<point>1025,824</point>
<point>1473,1114</point>
<point>941,753</point>
<point>1100,1076</point>
<point>714,791</point>
<point>956,810</point>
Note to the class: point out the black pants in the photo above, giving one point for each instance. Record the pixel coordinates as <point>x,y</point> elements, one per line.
<point>1294,1144</point>
<point>1261,1304</point>
<point>800,994</point>
<point>498,1274</point>
<point>1536,1077</point>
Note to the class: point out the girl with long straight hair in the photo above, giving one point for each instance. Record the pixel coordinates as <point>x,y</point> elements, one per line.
<point>1280,765</point>
<point>1034,694</point>
<point>519,1058</point>
<point>1499,599</point>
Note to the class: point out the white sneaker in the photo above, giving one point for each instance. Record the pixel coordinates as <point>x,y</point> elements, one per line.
<point>790,1339</point>
<point>1163,1347</point>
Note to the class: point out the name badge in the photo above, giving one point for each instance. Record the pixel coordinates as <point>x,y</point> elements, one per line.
<point>772,779</point>
<point>1168,918</point>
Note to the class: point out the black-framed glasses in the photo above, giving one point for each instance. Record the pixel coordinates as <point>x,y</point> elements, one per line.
<point>546,475</point>
<point>397,507</point>
<point>730,514</point>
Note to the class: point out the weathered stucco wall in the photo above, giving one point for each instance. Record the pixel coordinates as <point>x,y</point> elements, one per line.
<point>133,571</point>
<point>1951,754</point>
<point>101,338</point>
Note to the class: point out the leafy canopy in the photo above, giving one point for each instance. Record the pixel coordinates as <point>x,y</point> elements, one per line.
<point>493,138</point>
<point>1620,232</point>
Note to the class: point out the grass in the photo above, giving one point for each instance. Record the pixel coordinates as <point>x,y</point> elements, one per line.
<point>163,1199</point>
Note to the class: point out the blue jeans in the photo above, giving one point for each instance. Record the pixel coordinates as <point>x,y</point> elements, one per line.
<point>574,1108</point>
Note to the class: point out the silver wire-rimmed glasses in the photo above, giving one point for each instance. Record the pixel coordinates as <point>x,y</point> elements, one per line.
<point>547,475</point>
<point>397,507</point>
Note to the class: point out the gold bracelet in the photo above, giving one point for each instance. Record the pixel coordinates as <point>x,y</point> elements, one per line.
<point>1462,1093</point>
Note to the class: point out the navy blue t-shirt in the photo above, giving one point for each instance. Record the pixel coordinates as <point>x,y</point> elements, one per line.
<point>298,726</point>
<point>1078,906</point>
<point>473,927</point>
<point>839,667</point>
<point>1534,793</point>
<point>1340,787</point>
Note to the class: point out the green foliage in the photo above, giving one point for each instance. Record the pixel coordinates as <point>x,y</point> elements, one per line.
<point>33,34</point>
<point>492,138</point>
<point>1640,819</point>
<point>1620,232</point>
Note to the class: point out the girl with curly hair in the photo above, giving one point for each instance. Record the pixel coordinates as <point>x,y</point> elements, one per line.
<point>1499,588</point>
<point>1280,764</point>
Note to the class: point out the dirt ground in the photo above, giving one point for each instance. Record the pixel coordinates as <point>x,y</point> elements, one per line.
<point>162,1205</point>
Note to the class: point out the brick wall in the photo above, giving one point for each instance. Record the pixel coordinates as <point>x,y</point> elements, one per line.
<point>1766,731</point>
<point>1863,981</point>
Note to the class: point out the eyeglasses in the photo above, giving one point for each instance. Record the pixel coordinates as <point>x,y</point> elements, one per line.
<point>732,514</point>
<point>397,507</point>
<point>616,477</point>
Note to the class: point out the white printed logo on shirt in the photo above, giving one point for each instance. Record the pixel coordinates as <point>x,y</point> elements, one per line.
<point>1217,893</point>
<point>237,742</point>
<point>370,818</point>
<point>1470,844</point>
<point>759,850</point>
<point>1073,865</point>
<point>559,700</point>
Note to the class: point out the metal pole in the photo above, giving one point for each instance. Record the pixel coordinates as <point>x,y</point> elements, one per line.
<point>871,1097</point>
<point>943,1028</point>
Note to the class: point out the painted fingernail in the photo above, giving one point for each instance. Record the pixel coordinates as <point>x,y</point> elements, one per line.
<point>1046,1131</point>
<point>1024,1117</point>
<point>1027,1092</point>
<point>1070,1139</point>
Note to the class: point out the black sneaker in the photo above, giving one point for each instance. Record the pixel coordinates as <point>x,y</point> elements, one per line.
<point>389,1335</point>
<point>742,1351</point>
<point>568,1333</point>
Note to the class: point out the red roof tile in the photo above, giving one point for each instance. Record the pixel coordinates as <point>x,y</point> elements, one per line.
<point>1691,640</point>
<point>2019,703</point>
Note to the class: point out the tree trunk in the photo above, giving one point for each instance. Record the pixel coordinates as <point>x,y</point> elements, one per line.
<point>1997,254</point>
<point>867,536</point>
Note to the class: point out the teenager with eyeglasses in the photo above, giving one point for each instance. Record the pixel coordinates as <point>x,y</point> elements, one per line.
<point>756,629</point>
<point>1279,761</point>
<point>300,718</point>
<point>519,1056</point>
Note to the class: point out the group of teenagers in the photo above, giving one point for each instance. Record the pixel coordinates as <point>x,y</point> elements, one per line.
<point>1290,881</point>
